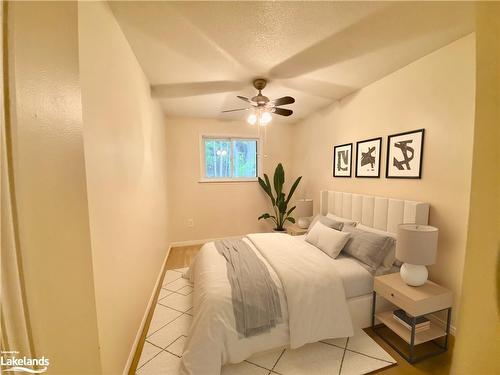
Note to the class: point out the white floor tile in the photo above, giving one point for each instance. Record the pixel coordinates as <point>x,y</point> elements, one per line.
<point>162,316</point>
<point>187,290</point>
<point>266,359</point>
<point>311,359</point>
<point>163,293</point>
<point>168,334</point>
<point>340,342</point>
<point>177,284</point>
<point>163,364</point>
<point>177,347</point>
<point>243,368</point>
<point>356,364</point>
<point>148,352</point>
<point>364,344</point>
<point>171,276</point>
<point>178,302</point>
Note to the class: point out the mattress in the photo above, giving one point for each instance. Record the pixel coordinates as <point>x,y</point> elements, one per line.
<point>357,279</point>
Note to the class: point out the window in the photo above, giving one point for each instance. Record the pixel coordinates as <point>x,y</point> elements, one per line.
<point>228,158</point>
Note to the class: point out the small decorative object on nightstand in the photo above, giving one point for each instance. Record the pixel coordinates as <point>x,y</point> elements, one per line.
<point>295,230</point>
<point>419,305</point>
<point>303,212</point>
<point>416,247</point>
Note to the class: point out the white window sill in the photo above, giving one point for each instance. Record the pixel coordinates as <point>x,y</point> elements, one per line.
<point>218,180</point>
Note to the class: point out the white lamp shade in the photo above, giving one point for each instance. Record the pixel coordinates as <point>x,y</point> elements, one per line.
<point>304,208</point>
<point>417,244</point>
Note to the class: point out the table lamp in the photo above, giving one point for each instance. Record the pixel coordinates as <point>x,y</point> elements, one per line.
<point>303,212</point>
<point>416,246</point>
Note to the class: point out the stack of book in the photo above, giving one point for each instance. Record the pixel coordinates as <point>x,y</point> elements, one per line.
<point>421,324</point>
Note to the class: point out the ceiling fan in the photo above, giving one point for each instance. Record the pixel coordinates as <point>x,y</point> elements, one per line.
<point>262,107</point>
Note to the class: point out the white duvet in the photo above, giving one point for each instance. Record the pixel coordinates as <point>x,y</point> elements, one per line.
<point>311,294</point>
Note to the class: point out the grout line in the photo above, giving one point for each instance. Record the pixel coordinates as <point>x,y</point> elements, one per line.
<point>281,355</point>
<point>149,360</point>
<point>366,355</point>
<point>340,347</point>
<point>163,326</point>
<point>184,312</point>
<point>343,355</point>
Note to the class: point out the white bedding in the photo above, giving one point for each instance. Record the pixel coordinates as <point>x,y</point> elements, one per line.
<point>357,279</point>
<point>307,317</point>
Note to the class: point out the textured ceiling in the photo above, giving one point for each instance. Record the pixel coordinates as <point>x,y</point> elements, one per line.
<point>199,55</point>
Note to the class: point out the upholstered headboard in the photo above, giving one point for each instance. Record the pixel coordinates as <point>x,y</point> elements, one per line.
<point>376,212</point>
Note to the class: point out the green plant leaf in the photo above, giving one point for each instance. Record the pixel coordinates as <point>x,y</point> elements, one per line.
<point>264,216</point>
<point>266,186</point>
<point>279,179</point>
<point>291,210</point>
<point>291,219</point>
<point>292,189</point>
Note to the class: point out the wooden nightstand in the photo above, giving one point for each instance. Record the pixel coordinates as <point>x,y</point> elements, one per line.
<point>295,230</point>
<point>418,301</point>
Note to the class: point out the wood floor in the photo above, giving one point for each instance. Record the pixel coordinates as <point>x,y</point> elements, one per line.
<point>181,257</point>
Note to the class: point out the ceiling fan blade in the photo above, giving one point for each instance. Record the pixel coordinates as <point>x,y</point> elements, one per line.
<point>282,111</point>
<point>234,110</point>
<point>245,99</point>
<point>283,101</point>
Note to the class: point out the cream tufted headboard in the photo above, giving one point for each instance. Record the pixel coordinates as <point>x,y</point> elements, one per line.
<point>376,212</point>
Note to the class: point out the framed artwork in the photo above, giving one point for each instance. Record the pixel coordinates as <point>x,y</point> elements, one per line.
<point>404,154</point>
<point>342,160</point>
<point>368,158</point>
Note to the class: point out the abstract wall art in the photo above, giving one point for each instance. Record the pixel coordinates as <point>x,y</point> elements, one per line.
<point>368,158</point>
<point>404,154</point>
<point>342,160</point>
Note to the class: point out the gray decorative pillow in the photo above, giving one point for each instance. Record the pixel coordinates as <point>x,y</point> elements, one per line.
<point>330,223</point>
<point>370,248</point>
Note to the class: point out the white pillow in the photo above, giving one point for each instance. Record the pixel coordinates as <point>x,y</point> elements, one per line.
<point>328,240</point>
<point>342,220</point>
<point>390,258</point>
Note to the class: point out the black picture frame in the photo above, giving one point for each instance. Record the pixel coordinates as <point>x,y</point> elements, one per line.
<point>418,134</point>
<point>349,164</point>
<point>359,173</point>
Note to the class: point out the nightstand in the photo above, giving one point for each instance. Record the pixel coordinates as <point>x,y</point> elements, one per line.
<point>417,301</point>
<point>295,230</point>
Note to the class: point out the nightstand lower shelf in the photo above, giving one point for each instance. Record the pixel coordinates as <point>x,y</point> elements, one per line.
<point>411,337</point>
<point>434,332</point>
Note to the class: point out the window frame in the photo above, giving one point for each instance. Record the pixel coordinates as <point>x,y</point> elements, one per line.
<point>231,138</point>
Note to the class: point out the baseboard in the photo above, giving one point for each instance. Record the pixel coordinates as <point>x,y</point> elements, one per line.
<point>199,242</point>
<point>453,329</point>
<point>152,299</point>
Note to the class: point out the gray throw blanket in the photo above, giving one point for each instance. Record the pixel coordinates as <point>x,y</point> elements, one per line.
<point>255,298</point>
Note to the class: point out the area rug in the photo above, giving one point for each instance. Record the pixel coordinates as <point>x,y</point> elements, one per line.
<point>169,327</point>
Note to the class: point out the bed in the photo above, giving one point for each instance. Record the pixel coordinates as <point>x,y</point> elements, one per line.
<point>320,297</point>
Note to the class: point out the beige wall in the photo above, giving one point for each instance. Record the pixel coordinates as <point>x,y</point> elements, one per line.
<point>125,153</point>
<point>435,93</point>
<point>50,187</point>
<point>476,347</point>
<point>217,209</point>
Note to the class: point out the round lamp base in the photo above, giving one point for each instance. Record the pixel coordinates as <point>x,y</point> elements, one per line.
<point>414,275</point>
<point>304,222</point>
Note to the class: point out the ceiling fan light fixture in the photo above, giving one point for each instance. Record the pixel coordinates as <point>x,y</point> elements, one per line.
<point>265,118</point>
<point>252,119</point>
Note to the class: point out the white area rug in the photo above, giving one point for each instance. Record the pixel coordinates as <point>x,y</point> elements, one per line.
<point>169,327</point>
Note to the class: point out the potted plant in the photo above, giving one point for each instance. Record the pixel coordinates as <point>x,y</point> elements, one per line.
<point>280,201</point>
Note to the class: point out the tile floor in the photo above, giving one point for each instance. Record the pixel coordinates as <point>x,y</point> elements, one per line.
<point>169,328</point>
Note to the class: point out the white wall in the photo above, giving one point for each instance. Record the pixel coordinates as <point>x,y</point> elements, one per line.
<point>218,209</point>
<point>435,92</point>
<point>51,221</point>
<point>125,154</point>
